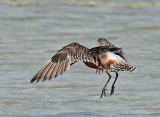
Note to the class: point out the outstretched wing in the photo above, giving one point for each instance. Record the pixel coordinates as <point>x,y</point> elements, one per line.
<point>65,57</point>
<point>104,42</point>
<point>107,46</point>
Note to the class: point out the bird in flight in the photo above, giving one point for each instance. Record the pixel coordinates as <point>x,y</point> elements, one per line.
<point>106,57</point>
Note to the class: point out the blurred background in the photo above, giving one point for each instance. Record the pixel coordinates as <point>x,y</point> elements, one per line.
<point>32,31</point>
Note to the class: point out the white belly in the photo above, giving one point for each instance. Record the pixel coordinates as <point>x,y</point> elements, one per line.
<point>117,58</point>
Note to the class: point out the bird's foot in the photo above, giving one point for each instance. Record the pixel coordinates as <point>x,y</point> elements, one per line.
<point>112,90</point>
<point>103,92</point>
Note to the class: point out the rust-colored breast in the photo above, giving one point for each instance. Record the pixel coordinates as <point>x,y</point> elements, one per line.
<point>91,65</point>
<point>104,57</point>
<point>111,61</point>
<point>106,63</point>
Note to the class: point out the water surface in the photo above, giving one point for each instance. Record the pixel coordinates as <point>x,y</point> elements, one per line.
<point>31,34</point>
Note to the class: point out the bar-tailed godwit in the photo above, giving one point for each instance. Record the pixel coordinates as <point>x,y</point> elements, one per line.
<point>106,57</point>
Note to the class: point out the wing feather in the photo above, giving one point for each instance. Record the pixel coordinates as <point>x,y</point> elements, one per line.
<point>58,70</point>
<point>37,76</point>
<point>66,65</point>
<point>54,71</point>
<point>42,74</point>
<point>104,42</point>
<point>51,71</point>
<point>61,61</point>
<point>62,65</point>
<point>107,46</point>
<point>48,73</point>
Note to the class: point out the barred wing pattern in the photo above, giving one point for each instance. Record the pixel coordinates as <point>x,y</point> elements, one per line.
<point>104,42</point>
<point>106,45</point>
<point>120,67</point>
<point>65,57</point>
<point>110,47</point>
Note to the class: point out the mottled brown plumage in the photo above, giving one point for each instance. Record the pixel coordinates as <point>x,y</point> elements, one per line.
<point>104,57</point>
<point>65,57</point>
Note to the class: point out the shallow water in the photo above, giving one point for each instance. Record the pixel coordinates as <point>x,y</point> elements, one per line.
<point>31,34</point>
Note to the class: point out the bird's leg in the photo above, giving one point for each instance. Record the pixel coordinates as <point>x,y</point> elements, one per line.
<point>104,88</point>
<point>112,89</point>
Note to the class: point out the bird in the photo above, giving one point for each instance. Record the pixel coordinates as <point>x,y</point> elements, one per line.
<point>104,58</point>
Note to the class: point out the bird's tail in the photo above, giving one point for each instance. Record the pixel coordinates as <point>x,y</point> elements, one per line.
<point>130,68</point>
